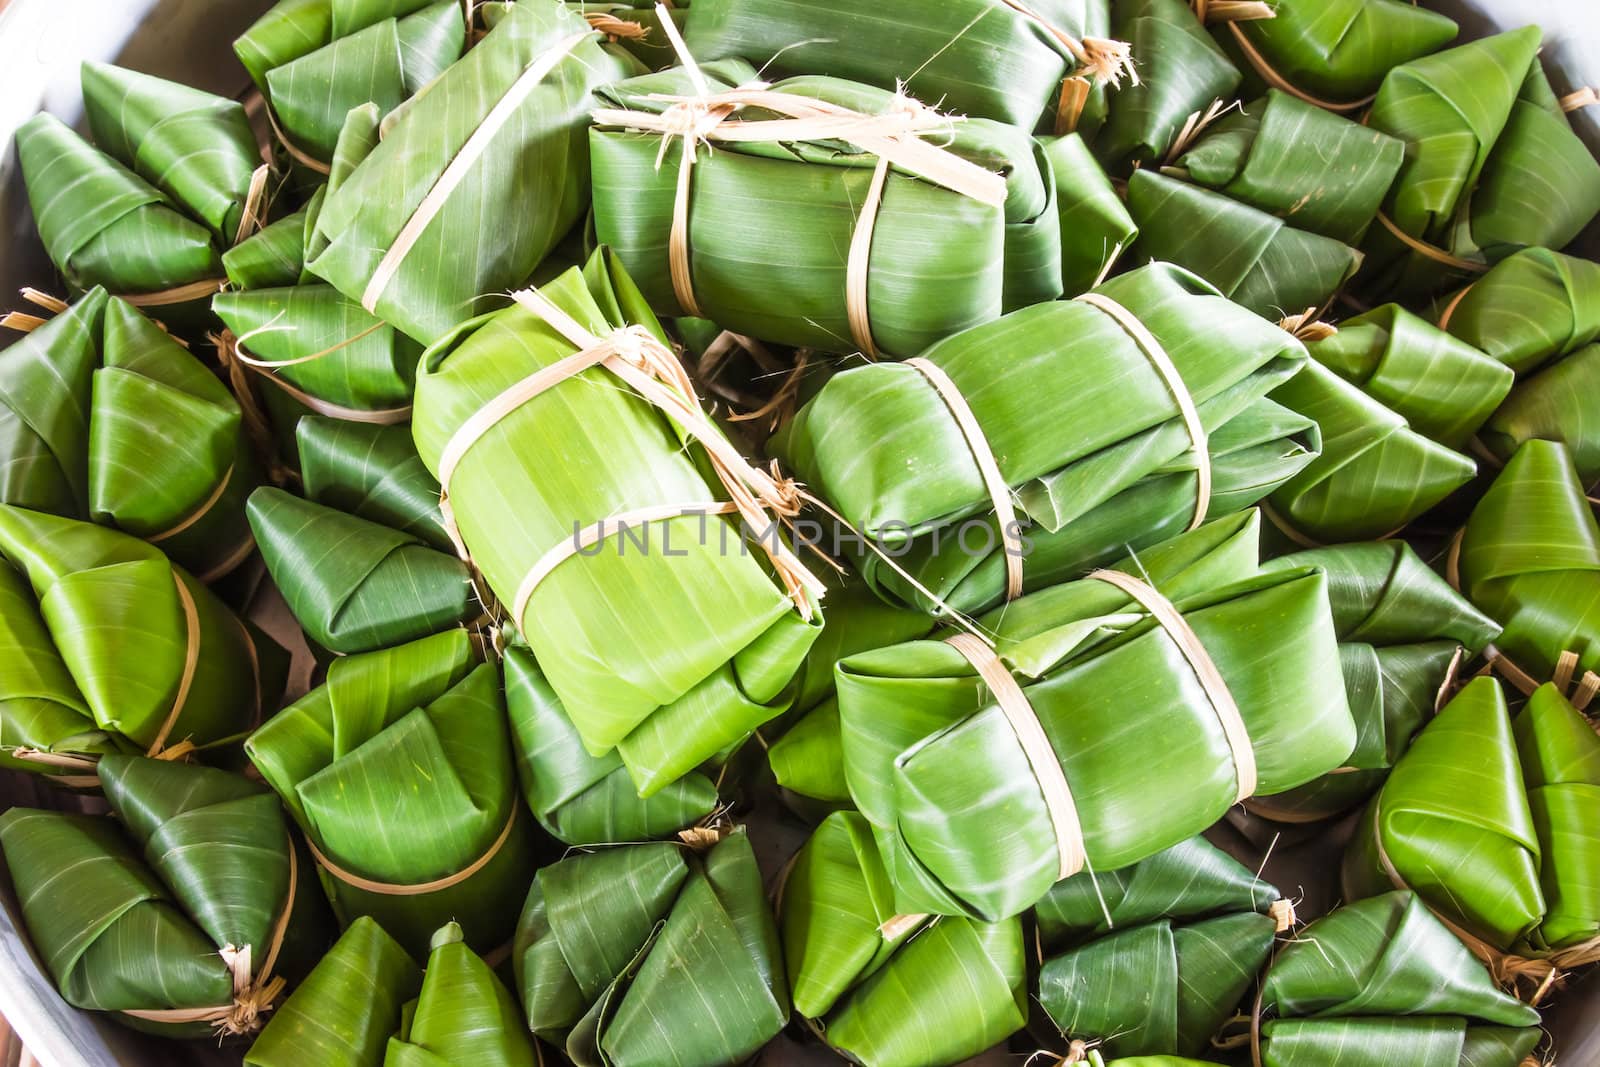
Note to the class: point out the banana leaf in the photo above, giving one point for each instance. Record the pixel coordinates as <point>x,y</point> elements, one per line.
<point>146,915</point>
<point>636,28</point>
<point>1271,154</point>
<point>1530,309</point>
<point>1381,983</point>
<point>887,990</point>
<point>345,1010</point>
<point>1553,404</point>
<point>1375,474</point>
<point>525,186</point>
<point>1187,929</point>
<point>355,585</point>
<point>372,472</point>
<point>399,770</point>
<point>1400,627</point>
<point>668,654</point>
<point>1560,757</point>
<point>769,221</point>
<point>1530,557</point>
<point>1252,257</point>
<point>464,1014</point>
<point>105,417</point>
<point>644,953</point>
<point>294,28</point>
<point>959,810</point>
<point>272,257</point>
<point>1095,226</point>
<point>157,657</point>
<point>984,58</point>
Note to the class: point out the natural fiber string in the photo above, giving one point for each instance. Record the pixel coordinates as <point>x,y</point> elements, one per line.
<point>1070,104</point>
<point>390,889</point>
<point>1195,125</point>
<point>1423,248</point>
<point>615,29</point>
<point>1214,11</point>
<point>235,362</point>
<point>856,265</point>
<point>1450,308</point>
<point>252,215</point>
<point>26,323</point>
<point>191,658</point>
<point>1105,61</point>
<point>1580,99</point>
<point>197,514</point>
<point>1307,328</point>
<point>178,294</point>
<point>296,153</point>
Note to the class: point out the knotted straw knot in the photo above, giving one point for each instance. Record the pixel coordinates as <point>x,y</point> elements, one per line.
<point>788,494</point>
<point>633,344</point>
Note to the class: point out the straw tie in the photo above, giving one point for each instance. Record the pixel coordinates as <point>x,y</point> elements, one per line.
<point>1104,61</point>
<point>1428,251</point>
<point>1232,13</point>
<point>416,889</point>
<point>237,361</point>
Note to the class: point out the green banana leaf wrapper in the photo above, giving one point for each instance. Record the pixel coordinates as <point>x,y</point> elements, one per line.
<point>105,417</point>
<point>135,915</point>
<point>464,1014</point>
<point>983,58</point>
<point>1530,557</point>
<point>1375,474</point>
<point>1254,258</point>
<point>273,256</point>
<point>294,28</point>
<point>1270,154</point>
<point>1187,928</point>
<point>891,990</point>
<point>511,205</point>
<point>1552,405</point>
<point>1530,309</point>
<point>1380,983</point>
<point>668,659</point>
<point>1400,628</point>
<point>1095,225</point>
<point>372,472</point>
<point>959,812</point>
<point>399,770</point>
<point>626,955</point>
<point>344,1011</point>
<point>157,657</point>
<point>769,221</point>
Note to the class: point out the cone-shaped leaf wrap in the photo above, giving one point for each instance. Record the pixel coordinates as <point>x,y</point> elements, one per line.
<point>626,955</point>
<point>1529,309</point>
<point>464,1014</point>
<point>293,28</point>
<point>373,472</point>
<point>1560,757</point>
<point>273,256</point>
<point>1095,226</point>
<point>960,815</point>
<point>890,990</point>
<point>399,770</point>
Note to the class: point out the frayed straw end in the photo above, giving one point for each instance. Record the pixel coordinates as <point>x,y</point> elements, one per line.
<point>1282,912</point>
<point>1107,62</point>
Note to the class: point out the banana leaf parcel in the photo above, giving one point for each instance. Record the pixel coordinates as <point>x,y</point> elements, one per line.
<point>187,916</point>
<point>1187,929</point>
<point>1530,309</point>
<point>886,989</point>
<point>275,255</point>
<point>1382,982</point>
<point>344,1011</point>
<point>464,1014</point>
<point>474,180</point>
<point>669,654</point>
<point>983,796</point>
<point>1095,225</point>
<point>399,770</point>
<point>105,417</point>
<point>158,658</point>
<point>643,954</point>
<point>1402,631</point>
<point>1025,425</point>
<point>1254,258</point>
<point>373,472</point>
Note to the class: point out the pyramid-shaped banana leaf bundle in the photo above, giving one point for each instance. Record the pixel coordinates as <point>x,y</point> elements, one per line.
<point>474,181</point>
<point>157,657</point>
<point>1382,982</point>
<point>885,989</point>
<point>661,636</point>
<point>1401,628</point>
<point>399,770</point>
<point>1375,474</point>
<point>1529,557</point>
<point>1095,225</point>
<point>464,1014</point>
<point>344,1012</point>
<point>1272,153</point>
<point>1187,929</point>
<point>185,918</point>
<point>1532,308</point>
<point>982,798</point>
<point>630,954</point>
<point>820,212</point>
<point>1034,420</point>
<point>373,472</point>
<point>106,417</point>
<point>1254,258</point>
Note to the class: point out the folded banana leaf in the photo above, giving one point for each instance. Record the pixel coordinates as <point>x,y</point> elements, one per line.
<point>105,417</point>
<point>669,650</point>
<point>399,770</point>
<point>1530,309</point>
<point>1072,407</point>
<point>629,955</point>
<point>1382,982</point>
<point>157,657</point>
<point>1187,929</point>
<point>1095,226</point>
<point>464,1014</point>
<point>1252,257</point>
<point>474,180</point>
<point>1400,627</point>
<point>197,899</point>
<point>345,1010</point>
<point>1560,757</point>
<point>1530,557</point>
<point>1553,404</point>
<point>891,990</point>
<point>373,472</point>
<point>1272,153</point>
<point>636,28</point>
<point>273,256</point>
<point>959,800</point>
<point>1375,474</point>
<point>294,28</point>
